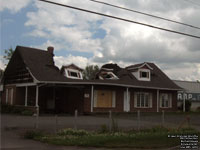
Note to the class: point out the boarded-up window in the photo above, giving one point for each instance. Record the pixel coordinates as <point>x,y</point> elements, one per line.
<point>104,98</point>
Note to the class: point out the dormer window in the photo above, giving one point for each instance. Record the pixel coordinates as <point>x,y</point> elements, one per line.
<point>73,74</point>
<point>144,74</point>
<point>108,75</point>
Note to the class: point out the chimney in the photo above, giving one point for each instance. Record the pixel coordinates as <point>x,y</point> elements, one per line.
<point>50,49</point>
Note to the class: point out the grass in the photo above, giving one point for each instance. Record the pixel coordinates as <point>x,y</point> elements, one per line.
<point>149,138</point>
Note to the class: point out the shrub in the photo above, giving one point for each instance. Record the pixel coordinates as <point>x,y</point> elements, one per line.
<point>103,129</point>
<point>27,113</point>
<point>33,134</point>
<point>73,132</point>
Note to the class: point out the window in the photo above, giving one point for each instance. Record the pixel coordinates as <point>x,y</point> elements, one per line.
<point>104,98</point>
<point>165,100</point>
<point>73,74</point>
<point>144,74</point>
<point>143,100</point>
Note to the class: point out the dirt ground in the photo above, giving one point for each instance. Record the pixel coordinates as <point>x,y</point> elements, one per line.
<point>13,127</point>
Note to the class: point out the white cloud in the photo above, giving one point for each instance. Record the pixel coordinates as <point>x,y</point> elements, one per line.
<point>2,64</point>
<point>124,43</point>
<point>66,60</point>
<point>13,6</point>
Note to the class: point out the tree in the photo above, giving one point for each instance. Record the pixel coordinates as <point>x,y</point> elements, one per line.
<point>90,72</point>
<point>8,53</point>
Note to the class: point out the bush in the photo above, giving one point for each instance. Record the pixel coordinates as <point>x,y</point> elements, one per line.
<point>27,113</point>
<point>33,134</point>
<point>73,132</point>
<point>103,129</point>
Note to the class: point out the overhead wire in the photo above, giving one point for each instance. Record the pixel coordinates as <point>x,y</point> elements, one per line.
<point>197,4</point>
<point>146,14</point>
<point>122,19</point>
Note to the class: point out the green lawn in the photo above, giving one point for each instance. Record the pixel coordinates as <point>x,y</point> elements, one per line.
<point>150,138</point>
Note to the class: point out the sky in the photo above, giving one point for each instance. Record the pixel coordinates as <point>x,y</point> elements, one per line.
<point>88,39</point>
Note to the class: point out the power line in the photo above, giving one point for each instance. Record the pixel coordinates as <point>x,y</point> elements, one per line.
<point>197,4</point>
<point>146,14</point>
<point>122,19</point>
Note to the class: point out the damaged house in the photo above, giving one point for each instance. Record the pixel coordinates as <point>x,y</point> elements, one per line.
<point>32,80</point>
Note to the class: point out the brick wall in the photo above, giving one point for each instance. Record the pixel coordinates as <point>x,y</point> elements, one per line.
<point>120,100</point>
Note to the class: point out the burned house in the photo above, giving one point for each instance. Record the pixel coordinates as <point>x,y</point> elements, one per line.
<point>31,79</point>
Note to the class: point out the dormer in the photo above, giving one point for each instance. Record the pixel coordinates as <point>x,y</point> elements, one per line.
<point>108,72</point>
<point>72,71</point>
<point>142,72</point>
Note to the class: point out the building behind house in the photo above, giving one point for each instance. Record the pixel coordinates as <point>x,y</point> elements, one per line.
<point>191,92</point>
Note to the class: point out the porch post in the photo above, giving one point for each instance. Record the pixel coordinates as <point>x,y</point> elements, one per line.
<point>128,103</point>
<point>36,98</point>
<point>92,98</point>
<point>183,101</point>
<point>26,96</point>
<point>158,100</point>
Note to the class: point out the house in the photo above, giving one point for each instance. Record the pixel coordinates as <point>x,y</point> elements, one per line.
<point>32,80</point>
<point>191,92</point>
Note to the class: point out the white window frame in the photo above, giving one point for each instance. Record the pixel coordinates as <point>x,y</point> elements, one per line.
<point>111,73</point>
<point>144,78</point>
<point>149,100</point>
<point>73,70</point>
<point>168,98</point>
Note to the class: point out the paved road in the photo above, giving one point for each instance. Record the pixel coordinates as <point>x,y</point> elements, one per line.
<point>13,127</point>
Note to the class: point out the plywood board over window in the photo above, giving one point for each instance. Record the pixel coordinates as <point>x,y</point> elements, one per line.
<point>104,98</point>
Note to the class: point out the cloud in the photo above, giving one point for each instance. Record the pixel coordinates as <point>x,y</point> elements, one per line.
<point>124,43</point>
<point>13,6</point>
<point>66,60</point>
<point>2,64</point>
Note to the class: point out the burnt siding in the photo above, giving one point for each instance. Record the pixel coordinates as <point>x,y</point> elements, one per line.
<point>16,71</point>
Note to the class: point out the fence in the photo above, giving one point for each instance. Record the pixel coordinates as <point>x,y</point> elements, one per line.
<point>110,120</point>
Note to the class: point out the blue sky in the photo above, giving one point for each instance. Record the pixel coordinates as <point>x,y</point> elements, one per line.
<point>85,39</point>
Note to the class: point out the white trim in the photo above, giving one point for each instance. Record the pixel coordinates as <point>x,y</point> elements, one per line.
<point>34,78</point>
<point>26,96</point>
<point>92,97</point>
<point>25,84</point>
<point>113,78</point>
<point>126,100</point>
<point>107,69</point>
<point>114,84</point>
<point>149,100</point>
<point>36,97</point>
<point>143,78</point>
<point>73,70</point>
<point>141,66</point>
